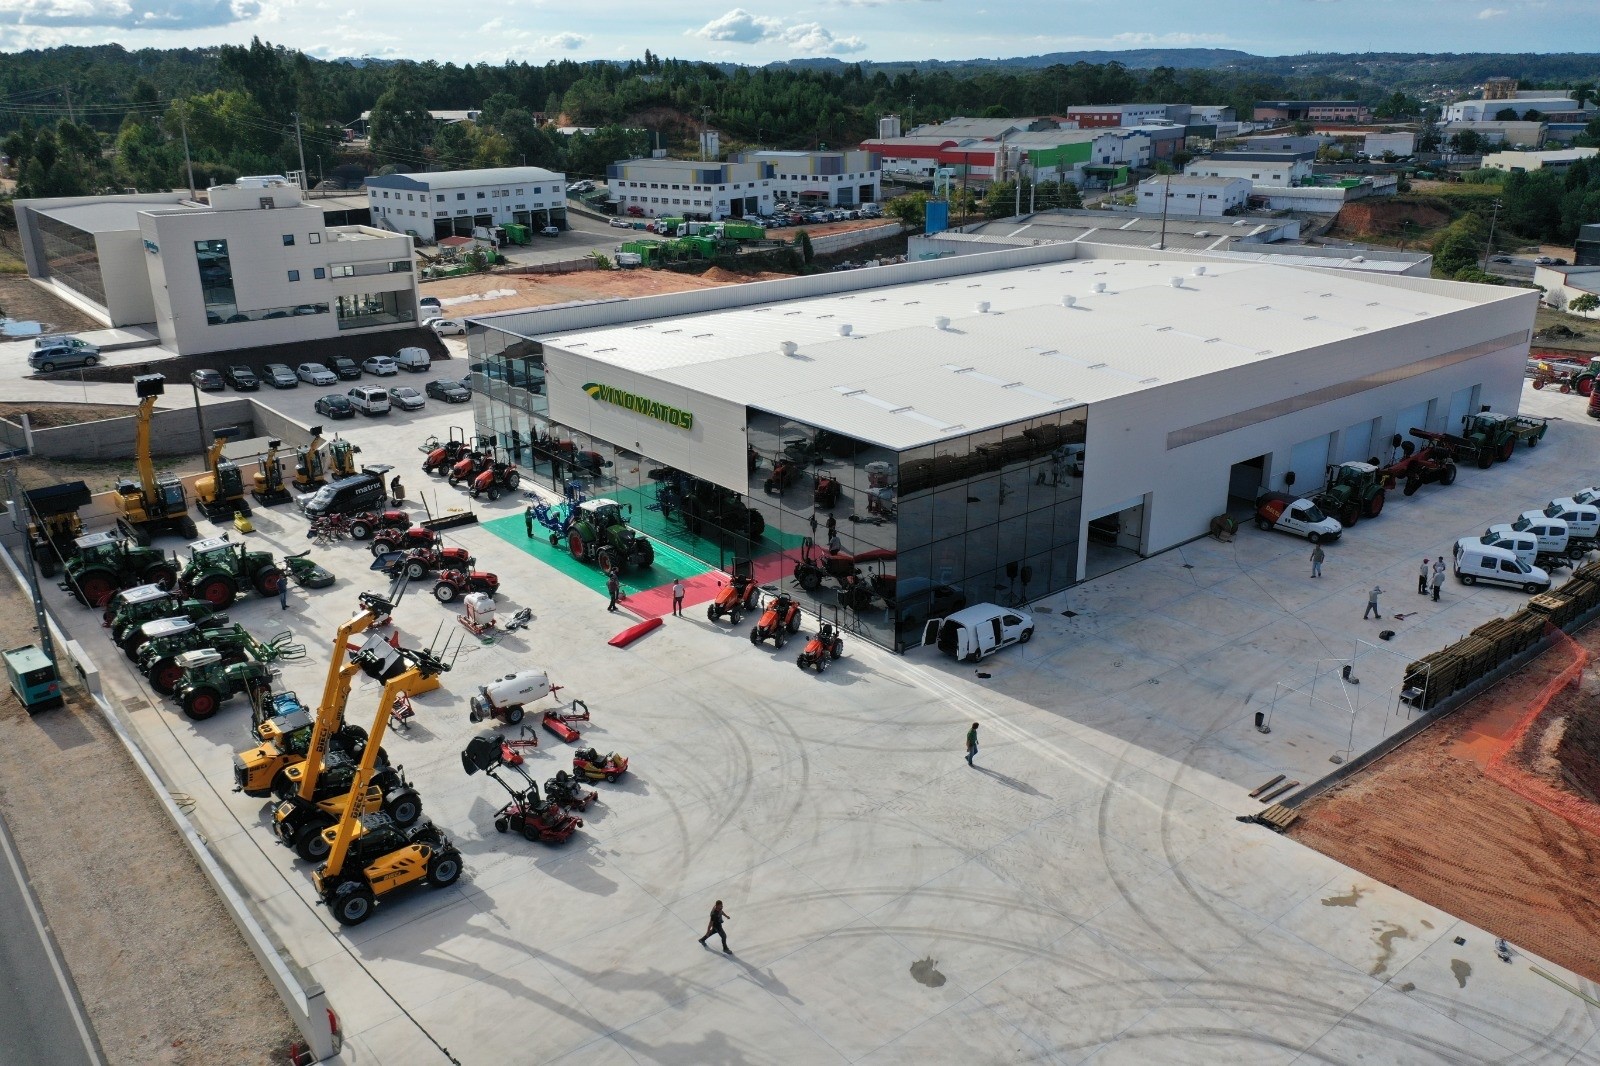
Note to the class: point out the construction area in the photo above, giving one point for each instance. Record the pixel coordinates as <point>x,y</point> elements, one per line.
<point>1492,813</point>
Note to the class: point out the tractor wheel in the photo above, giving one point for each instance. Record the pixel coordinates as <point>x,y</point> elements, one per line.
<point>201,702</point>
<point>755,634</point>
<point>405,807</point>
<point>575,545</point>
<point>555,540</point>
<point>133,642</point>
<point>1533,441</point>
<point>514,714</point>
<point>416,569</point>
<point>160,574</point>
<point>1485,458</point>
<point>810,578</point>
<point>268,578</point>
<point>383,544</point>
<point>165,675</point>
<point>95,587</point>
<point>501,825</point>
<point>1375,505</point>
<point>794,623</point>
<point>513,479</point>
<point>444,868</point>
<point>1538,383</point>
<point>711,612</point>
<point>1585,386</point>
<point>1447,476</point>
<point>1508,449</point>
<point>644,555</point>
<point>220,591</point>
<point>444,592</point>
<point>606,560</point>
<point>353,905</point>
<point>309,843</point>
<point>1413,483</point>
<point>360,529</point>
<point>1350,515</point>
<point>779,637</point>
<point>494,493</point>
<point>187,529</point>
<point>800,660</point>
<point>756,524</point>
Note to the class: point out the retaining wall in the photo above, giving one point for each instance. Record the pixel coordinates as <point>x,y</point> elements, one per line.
<point>173,432</point>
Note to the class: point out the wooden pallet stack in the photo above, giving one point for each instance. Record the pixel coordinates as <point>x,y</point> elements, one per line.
<point>1512,634</point>
<point>1554,605</point>
<point>1434,677</point>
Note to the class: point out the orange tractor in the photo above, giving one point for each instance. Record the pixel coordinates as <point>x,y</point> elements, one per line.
<point>778,621</point>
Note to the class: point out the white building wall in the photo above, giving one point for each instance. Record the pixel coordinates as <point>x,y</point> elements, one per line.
<point>1127,436</point>
<point>1259,173</point>
<point>129,301</point>
<point>714,447</point>
<point>1206,199</point>
<point>1401,144</point>
<point>405,210</point>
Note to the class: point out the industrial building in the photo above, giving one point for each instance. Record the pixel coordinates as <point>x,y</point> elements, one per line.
<point>1191,194</point>
<point>691,188</point>
<point>251,265</point>
<point>453,203</point>
<point>996,426</point>
<point>827,179</point>
<point>1330,111</point>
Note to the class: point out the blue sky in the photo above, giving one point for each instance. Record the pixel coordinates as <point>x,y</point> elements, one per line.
<point>759,32</point>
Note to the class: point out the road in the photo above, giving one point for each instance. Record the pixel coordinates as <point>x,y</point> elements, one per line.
<point>585,236</point>
<point>41,1022</point>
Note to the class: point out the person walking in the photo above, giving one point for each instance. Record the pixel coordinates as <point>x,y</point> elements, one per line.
<point>1438,580</point>
<point>1372,603</point>
<point>1317,555</point>
<point>614,587</point>
<point>283,592</point>
<point>833,526</point>
<point>677,596</point>
<point>1422,577</point>
<point>718,916</point>
<point>972,742</point>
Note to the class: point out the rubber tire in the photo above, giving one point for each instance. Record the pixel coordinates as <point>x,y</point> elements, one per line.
<point>755,634</point>
<point>1375,508</point>
<point>1447,476</point>
<point>90,360</point>
<point>494,493</point>
<point>47,367</point>
<point>1485,459</point>
<point>513,479</point>
<point>1027,635</point>
<point>1538,383</point>
<point>1412,485</point>
<point>606,560</point>
<point>444,592</point>
<point>811,578</point>
<point>309,844</point>
<point>1508,450</point>
<point>514,715</point>
<point>186,528</point>
<point>160,574</point>
<point>501,825</point>
<point>410,804</point>
<point>1467,579</point>
<point>354,907</point>
<point>1261,524</point>
<point>1314,537</point>
<point>555,540</point>
<point>1533,441</point>
<point>165,675</point>
<point>416,569</point>
<point>96,587</point>
<point>1351,515</point>
<point>711,612</point>
<point>646,555</point>
<point>575,545</point>
<point>800,660</point>
<point>360,530</point>
<point>1585,386</point>
<point>202,703</point>
<point>530,832</point>
<point>219,591</point>
<point>611,778</point>
<point>268,579</point>
<point>444,868</point>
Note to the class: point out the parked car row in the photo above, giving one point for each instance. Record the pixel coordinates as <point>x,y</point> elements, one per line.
<point>1522,553</point>
<point>243,378</point>
<point>373,400</point>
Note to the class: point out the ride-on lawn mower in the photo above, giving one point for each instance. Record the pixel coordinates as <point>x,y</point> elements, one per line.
<point>826,646</point>
<point>780,618</point>
<point>537,820</point>
<point>569,792</point>
<point>592,765</point>
<point>306,573</point>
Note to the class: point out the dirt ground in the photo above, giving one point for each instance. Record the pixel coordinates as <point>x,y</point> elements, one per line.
<point>48,415</point>
<point>22,299</point>
<point>510,292</point>
<point>1489,813</point>
<point>35,472</point>
<point>160,967</point>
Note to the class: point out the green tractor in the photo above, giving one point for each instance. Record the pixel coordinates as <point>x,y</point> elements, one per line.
<point>600,534</point>
<point>1492,435</point>
<point>209,681</point>
<point>1506,430</point>
<point>219,568</point>
<point>168,638</point>
<point>130,609</point>
<point>1354,491</point>
<point>106,563</point>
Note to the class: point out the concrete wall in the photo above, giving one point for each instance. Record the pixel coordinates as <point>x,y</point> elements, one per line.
<point>838,242</point>
<point>171,433</point>
<point>122,267</point>
<point>1188,484</point>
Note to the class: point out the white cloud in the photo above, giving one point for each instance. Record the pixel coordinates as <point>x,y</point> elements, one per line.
<point>1491,12</point>
<point>741,26</point>
<point>566,41</point>
<point>149,15</point>
<point>812,38</point>
<point>1177,40</point>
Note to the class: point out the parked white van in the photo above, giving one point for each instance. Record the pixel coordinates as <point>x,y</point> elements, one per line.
<point>1524,546</point>
<point>416,360</point>
<point>1582,519</point>
<point>979,631</point>
<point>1552,532</point>
<point>1498,566</point>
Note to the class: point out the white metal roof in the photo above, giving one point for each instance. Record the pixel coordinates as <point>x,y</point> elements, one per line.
<point>901,381</point>
<point>459,179</point>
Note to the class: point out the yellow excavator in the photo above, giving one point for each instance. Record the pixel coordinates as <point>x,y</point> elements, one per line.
<point>267,484</point>
<point>219,493</point>
<point>369,855</point>
<point>308,475</point>
<point>151,505</point>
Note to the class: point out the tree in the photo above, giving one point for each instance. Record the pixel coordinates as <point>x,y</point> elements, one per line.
<point>400,123</point>
<point>1506,114</point>
<point>1582,305</point>
<point>802,244</point>
<point>911,210</point>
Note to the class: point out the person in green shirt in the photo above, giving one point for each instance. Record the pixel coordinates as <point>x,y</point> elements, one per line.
<point>972,742</point>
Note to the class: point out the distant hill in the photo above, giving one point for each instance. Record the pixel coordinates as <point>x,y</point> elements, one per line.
<point>1134,59</point>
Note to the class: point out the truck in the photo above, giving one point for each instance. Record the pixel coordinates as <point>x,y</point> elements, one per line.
<point>1297,515</point>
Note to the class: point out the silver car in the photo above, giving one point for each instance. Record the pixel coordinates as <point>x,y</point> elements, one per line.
<point>316,374</point>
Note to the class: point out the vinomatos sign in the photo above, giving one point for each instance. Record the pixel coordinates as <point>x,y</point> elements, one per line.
<point>643,405</point>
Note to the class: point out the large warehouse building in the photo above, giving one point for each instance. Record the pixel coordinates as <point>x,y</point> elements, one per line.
<point>999,426</point>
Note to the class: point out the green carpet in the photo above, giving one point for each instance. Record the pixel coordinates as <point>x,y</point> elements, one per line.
<point>670,562</point>
<point>668,531</point>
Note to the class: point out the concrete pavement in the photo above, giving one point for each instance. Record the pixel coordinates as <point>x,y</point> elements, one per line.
<point>1083,894</point>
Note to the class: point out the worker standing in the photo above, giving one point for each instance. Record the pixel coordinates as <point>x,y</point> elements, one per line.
<point>677,596</point>
<point>1372,603</point>
<point>1422,577</point>
<point>283,592</point>
<point>614,587</point>
<point>1438,580</point>
<point>1317,555</point>
<point>527,519</point>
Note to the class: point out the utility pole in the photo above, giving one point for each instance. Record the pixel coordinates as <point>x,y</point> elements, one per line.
<point>183,123</point>
<point>1166,194</point>
<point>1489,248</point>
<point>911,115</point>
<point>301,146</point>
<point>20,512</point>
<point>70,116</point>
<point>705,120</point>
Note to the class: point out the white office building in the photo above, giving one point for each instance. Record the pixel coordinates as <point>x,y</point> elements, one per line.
<point>454,203</point>
<point>825,179</point>
<point>1261,168</point>
<point>1490,110</point>
<point>691,188</point>
<point>253,265</point>
<point>1192,195</point>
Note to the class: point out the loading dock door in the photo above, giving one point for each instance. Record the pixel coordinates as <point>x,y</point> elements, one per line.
<point>1461,403</point>
<point>1309,461</point>
<point>1355,443</point>
<point>1413,417</point>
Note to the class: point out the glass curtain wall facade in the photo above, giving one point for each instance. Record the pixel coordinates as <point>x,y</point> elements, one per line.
<point>71,257</point>
<point>875,540</point>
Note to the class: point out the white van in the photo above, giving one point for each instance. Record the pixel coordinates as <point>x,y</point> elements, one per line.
<point>1582,519</point>
<point>416,360</point>
<point>1552,532</point>
<point>979,631</point>
<point>1497,566</point>
<point>1524,546</point>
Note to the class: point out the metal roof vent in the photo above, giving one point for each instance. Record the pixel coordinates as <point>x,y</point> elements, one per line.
<point>1202,233</point>
<point>1099,286</point>
<point>788,347</point>
<point>1199,272</point>
<point>1177,283</point>
<point>983,307</point>
<point>844,329</point>
<point>1068,301</point>
<point>1358,259</point>
<point>941,322</point>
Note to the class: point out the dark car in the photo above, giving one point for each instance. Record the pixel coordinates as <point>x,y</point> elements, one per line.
<point>208,381</point>
<point>347,369</point>
<point>448,391</point>
<point>242,378</point>
<point>335,405</point>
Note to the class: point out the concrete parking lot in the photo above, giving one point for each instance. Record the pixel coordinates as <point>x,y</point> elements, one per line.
<point>1083,894</point>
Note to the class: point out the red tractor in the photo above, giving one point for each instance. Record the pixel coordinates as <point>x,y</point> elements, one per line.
<point>821,649</point>
<point>733,599</point>
<point>825,491</point>
<point>778,621</point>
<point>454,584</point>
<point>1417,467</point>
<point>367,523</point>
<point>785,472</point>
<point>498,479</point>
<point>470,465</point>
<point>405,540</point>
<point>440,459</point>
<point>420,562</point>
